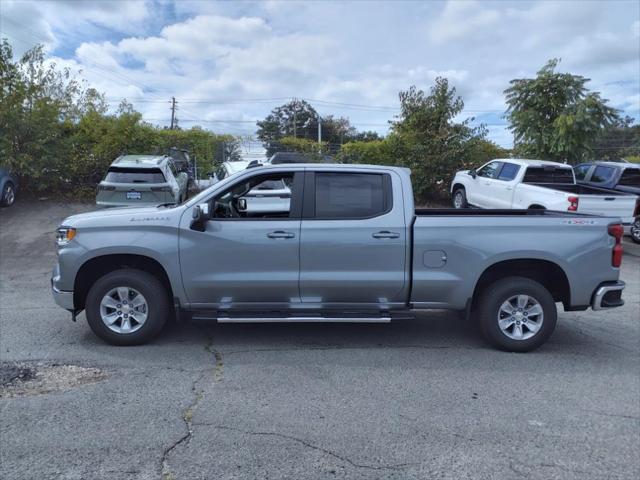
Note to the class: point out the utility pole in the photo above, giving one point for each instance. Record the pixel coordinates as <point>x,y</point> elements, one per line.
<point>319,134</point>
<point>295,124</point>
<point>173,111</point>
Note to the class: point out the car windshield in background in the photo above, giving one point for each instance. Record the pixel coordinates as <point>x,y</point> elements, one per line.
<point>134,175</point>
<point>630,178</point>
<point>548,175</point>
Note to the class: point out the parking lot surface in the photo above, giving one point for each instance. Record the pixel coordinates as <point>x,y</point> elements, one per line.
<point>423,399</point>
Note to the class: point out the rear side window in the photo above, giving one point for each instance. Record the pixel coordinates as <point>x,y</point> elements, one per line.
<point>630,177</point>
<point>602,174</point>
<point>581,171</point>
<point>509,171</point>
<point>351,195</point>
<point>490,170</point>
<point>134,175</point>
<point>548,175</point>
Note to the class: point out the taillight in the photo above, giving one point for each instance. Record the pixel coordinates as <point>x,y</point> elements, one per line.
<point>106,187</point>
<point>160,189</point>
<point>616,231</point>
<point>573,204</point>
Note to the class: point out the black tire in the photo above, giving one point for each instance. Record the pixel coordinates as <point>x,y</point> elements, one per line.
<point>155,294</point>
<point>489,309</point>
<point>459,198</point>
<point>635,230</point>
<point>8,196</point>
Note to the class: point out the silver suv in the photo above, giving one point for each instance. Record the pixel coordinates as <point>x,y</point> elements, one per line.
<point>142,180</point>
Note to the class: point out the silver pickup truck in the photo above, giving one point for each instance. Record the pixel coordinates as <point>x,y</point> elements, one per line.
<point>351,248</point>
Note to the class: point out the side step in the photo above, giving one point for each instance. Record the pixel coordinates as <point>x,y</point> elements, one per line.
<point>280,317</point>
<point>304,319</point>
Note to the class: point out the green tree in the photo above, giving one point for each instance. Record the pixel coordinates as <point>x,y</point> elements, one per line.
<point>554,116</point>
<point>619,140</point>
<point>294,119</point>
<point>430,142</point>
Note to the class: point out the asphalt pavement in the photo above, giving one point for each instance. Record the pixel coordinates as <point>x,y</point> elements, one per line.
<point>417,399</point>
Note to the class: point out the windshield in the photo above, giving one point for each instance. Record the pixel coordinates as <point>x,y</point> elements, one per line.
<point>134,175</point>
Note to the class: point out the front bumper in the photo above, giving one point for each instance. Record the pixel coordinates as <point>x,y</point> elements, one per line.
<point>608,295</point>
<point>61,297</point>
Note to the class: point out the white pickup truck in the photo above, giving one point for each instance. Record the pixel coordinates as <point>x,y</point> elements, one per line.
<point>523,184</point>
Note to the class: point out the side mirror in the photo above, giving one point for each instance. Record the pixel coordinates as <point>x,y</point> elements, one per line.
<point>200,216</point>
<point>242,204</point>
<point>473,173</point>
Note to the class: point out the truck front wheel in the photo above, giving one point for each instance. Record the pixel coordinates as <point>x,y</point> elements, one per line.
<point>517,314</point>
<point>127,307</point>
<point>460,198</point>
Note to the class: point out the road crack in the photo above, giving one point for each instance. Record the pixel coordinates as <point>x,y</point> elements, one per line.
<point>312,446</point>
<point>187,414</point>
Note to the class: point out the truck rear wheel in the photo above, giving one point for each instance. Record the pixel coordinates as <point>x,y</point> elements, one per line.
<point>635,230</point>
<point>517,314</point>
<point>127,307</point>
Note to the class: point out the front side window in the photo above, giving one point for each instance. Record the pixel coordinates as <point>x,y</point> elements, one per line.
<point>350,195</point>
<point>134,175</point>
<point>508,172</point>
<point>490,170</point>
<point>602,174</point>
<point>580,171</point>
<point>255,198</point>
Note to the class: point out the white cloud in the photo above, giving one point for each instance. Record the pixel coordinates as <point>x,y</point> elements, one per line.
<point>359,53</point>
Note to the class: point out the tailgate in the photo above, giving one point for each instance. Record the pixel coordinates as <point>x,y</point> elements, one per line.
<point>615,205</point>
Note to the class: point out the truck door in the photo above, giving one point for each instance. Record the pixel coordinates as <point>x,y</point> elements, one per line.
<point>481,190</point>
<point>353,239</point>
<point>244,257</point>
<point>503,185</point>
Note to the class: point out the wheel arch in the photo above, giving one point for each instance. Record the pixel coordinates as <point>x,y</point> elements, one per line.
<point>97,267</point>
<point>458,185</point>
<point>547,273</point>
<point>536,206</point>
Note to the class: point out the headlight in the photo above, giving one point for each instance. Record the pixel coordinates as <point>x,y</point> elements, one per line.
<point>64,235</point>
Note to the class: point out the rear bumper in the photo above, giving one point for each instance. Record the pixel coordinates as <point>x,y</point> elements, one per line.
<point>608,295</point>
<point>101,204</point>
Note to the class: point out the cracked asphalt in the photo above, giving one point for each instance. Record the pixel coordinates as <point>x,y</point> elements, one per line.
<point>419,399</point>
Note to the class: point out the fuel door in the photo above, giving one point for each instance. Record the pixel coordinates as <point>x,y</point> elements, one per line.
<point>434,258</point>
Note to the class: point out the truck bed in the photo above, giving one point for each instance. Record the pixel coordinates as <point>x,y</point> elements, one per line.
<point>579,189</point>
<point>488,212</point>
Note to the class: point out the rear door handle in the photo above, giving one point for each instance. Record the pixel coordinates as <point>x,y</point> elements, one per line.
<point>385,234</point>
<point>280,234</point>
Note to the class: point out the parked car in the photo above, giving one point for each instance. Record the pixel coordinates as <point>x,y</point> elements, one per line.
<point>142,180</point>
<point>183,163</point>
<point>537,184</point>
<point>8,187</point>
<point>351,248</point>
<point>623,177</point>
<point>297,157</point>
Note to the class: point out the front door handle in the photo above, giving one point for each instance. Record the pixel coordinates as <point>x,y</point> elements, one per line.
<point>385,234</point>
<point>280,234</point>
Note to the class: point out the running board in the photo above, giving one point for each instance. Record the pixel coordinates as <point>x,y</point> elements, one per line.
<point>303,319</point>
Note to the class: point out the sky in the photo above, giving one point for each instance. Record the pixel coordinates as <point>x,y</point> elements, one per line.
<point>229,63</point>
